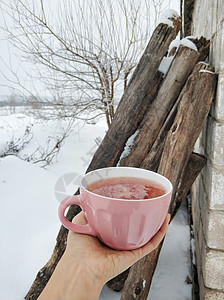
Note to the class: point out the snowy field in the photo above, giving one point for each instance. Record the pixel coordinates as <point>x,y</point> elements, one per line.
<point>28,210</point>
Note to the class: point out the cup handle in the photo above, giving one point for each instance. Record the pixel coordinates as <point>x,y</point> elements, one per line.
<point>85,229</point>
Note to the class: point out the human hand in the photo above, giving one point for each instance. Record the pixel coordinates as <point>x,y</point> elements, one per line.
<point>87,264</point>
<point>103,262</point>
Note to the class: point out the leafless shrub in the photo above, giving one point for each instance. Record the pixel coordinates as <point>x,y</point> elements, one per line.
<point>87,50</point>
<point>44,154</point>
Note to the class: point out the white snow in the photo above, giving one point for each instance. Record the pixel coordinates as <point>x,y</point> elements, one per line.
<point>203,63</point>
<point>165,64</point>
<point>174,262</point>
<point>29,220</point>
<point>193,251</point>
<point>187,43</point>
<point>128,146</point>
<point>190,37</point>
<point>167,60</point>
<point>174,44</point>
<point>206,71</point>
<point>167,16</point>
<point>184,42</point>
<point>28,224</point>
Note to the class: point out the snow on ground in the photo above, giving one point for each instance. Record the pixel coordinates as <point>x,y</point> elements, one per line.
<point>28,224</point>
<point>29,221</point>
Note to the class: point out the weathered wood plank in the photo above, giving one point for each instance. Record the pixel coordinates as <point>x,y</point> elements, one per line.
<point>182,65</point>
<point>202,45</point>
<point>140,277</point>
<point>152,159</point>
<point>193,108</point>
<point>194,166</point>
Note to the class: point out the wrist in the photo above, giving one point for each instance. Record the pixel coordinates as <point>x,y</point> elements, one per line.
<point>86,285</point>
<point>72,280</point>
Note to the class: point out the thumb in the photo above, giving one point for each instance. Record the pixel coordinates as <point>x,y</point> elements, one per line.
<point>80,219</point>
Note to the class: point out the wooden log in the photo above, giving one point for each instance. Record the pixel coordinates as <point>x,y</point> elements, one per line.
<point>188,8</point>
<point>140,277</point>
<point>195,101</point>
<point>191,172</point>
<point>194,166</point>
<point>202,45</point>
<point>117,283</point>
<point>152,159</point>
<point>140,92</point>
<point>182,65</point>
<point>193,108</point>
<point>158,111</point>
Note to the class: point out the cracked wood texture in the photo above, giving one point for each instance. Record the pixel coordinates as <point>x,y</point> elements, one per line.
<point>193,108</point>
<point>181,67</point>
<point>140,92</point>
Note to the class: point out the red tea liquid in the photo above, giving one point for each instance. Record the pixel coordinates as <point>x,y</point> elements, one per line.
<point>130,188</point>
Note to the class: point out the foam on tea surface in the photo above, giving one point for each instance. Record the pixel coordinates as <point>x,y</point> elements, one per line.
<point>129,188</point>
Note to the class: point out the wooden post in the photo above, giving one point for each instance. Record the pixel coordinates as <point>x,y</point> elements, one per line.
<point>194,104</point>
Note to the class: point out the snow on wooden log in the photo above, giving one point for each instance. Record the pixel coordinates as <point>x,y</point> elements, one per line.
<point>171,17</point>
<point>201,44</point>
<point>193,108</point>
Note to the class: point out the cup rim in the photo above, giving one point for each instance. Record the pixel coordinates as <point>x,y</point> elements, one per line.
<point>170,190</point>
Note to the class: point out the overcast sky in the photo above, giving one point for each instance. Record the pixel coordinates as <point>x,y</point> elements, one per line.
<point>11,58</point>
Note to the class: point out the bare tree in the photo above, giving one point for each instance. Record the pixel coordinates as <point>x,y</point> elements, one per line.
<point>86,48</point>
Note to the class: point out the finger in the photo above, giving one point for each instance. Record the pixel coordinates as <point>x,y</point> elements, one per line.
<point>133,256</point>
<point>155,241</point>
<point>80,219</point>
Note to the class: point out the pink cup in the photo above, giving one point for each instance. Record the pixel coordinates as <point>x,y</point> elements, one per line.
<point>119,223</point>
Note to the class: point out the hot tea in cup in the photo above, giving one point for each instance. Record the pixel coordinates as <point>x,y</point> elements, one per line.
<point>124,206</point>
<point>130,188</point>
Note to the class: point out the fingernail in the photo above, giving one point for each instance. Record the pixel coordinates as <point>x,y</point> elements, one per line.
<point>169,217</point>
